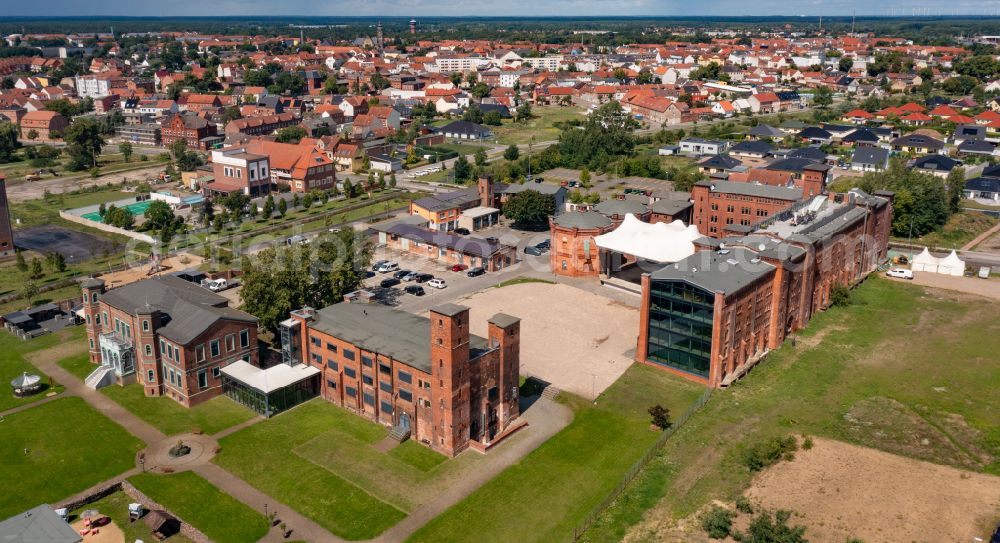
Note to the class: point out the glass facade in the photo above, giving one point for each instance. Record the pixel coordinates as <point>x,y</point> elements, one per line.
<point>680,326</point>
<point>270,404</point>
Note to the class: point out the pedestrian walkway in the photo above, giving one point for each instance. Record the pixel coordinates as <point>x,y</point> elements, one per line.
<point>981,238</point>
<point>29,405</point>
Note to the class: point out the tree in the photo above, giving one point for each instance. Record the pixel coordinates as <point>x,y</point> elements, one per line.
<point>529,209</point>
<point>962,84</point>
<point>22,265</point>
<point>35,269</point>
<point>511,153</point>
<point>585,178</point>
<point>823,97</point>
<point>32,134</point>
<point>85,143</point>
<point>492,118</point>
<point>296,200</point>
<point>845,64</point>
<point>523,113</point>
<point>765,529</point>
<point>661,416</point>
<point>236,203</point>
<point>462,169</point>
<point>159,215</point>
<point>456,78</point>
<point>956,185</point>
<point>480,90</point>
<point>8,141</point>
<point>125,148</point>
<point>282,207</point>
<point>268,210</point>
<point>29,290</point>
<point>392,180</point>
<point>717,522</point>
<point>349,190</point>
<point>230,114</point>
<point>480,157</point>
<point>206,213</point>
<point>291,134</point>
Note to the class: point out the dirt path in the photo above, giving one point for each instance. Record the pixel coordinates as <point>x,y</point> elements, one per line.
<point>989,288</point>
<point>979,239</point>
<point>33,190</point>
<point>841,491</point>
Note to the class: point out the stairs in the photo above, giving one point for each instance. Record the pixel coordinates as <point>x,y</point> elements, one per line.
<point>100,377</point>
<point>550,393</point>
<point>399,433</point>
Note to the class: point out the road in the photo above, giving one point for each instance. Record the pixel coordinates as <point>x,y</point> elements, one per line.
<point>33,190</point>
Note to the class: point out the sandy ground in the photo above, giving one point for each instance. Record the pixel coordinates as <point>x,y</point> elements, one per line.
<point>32,190</point>
<point>989,288</point>
<point>840,491</point>
<point>109,533</point>
<point>568,336</point>
<point>988,244</point>
<point>170,265</point>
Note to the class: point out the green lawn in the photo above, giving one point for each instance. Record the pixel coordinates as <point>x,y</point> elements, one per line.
<point>165,414</point>
<point>903,370</point>
<point>70,447</point>
<point>217,514</point>
<point>14,363</point>
<point>262,455</point>
<point>540,127</point>
<point>116,507</point>
<point>545,495</point>
<point>960,229</point>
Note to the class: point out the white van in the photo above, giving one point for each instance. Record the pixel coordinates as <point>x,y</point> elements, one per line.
<point>437,283</point>
<point>387,267</point>
<point>900,273</point>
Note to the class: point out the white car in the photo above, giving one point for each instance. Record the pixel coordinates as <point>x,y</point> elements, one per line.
<point>437,283</point>
<point>388,267</point>
<point>900,273</point>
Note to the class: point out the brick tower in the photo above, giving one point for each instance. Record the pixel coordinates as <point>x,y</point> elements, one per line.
<point>450,368</point>
<point>93,289</point>
<point>6,235</point>
<point>505,334</point>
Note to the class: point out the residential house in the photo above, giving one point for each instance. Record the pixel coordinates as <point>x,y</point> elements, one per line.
<point>869,159</point>
<point>49,125</point>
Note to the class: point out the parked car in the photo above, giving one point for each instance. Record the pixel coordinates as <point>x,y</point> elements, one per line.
<point>215,285</point>
<point>544,245</point>
<point>401,274</point>
<point>462,231</point>
<point>415,290</point>
<point>387,267</point>
<point>459,267</point>
<point>492,239</point>
<point>900,273</point>
<point>532,250</point>
<point>411,276</point>
<point>476,272</point>
<point>389,283</point>
<point>437,283</point>
<point>423,277</point>
<point>378,264</point>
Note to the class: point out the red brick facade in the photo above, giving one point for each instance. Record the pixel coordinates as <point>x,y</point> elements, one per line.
<point>715,210</point>
<point>6,235</point>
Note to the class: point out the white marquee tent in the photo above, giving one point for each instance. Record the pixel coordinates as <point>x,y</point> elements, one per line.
<point>660,242</point>
<point>948,265</point>
<point>925,262</point>
<point>952,265</point>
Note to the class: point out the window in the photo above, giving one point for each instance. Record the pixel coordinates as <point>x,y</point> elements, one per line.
<point>316,358</point>
<point>367,379</point>
<point>315,341</point>
<point>405,377</point>
<point>92,344</point>
<point>348,354</point>
<point>170,351</point>
<point>351,391</point>
<point>150,376</point>
<point>145,325</point>
<point>202,379</point>
<point>366,361</point>
<point>386,407</point>
<point>405,395</point>
<point>331,347</point>
<point>214,346</point>
<point>149,350</point>
<point>216,372</point>
<point>331,384</point>
<point>106,321</point>
<point>384,368</point>
<point>199,353</point>
<point>244,338</point>
<point>368,399</point>
<point>230,343</point>
<point>349,372</point>
<point>332,365</point>
<point>385,387</point>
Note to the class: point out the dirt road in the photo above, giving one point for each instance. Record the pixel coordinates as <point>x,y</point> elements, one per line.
<point>33,190</point>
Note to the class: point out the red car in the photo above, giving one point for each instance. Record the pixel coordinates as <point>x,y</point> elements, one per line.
<point>459,267</point>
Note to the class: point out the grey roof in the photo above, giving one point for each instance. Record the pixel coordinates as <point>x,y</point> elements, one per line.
<point>724,162</point>
<point>814,132</point>
<point>918,140</point>
<point>754,189</point>
<point>584,220</point>
<point>465,244</point>
<point>449,309</point>
<point>504,320</point>
<point>620,207</point>
<point>860,135</point>
<point>792,124</point>
<point>466,127</point>
<point>192,309</point>
<point>544,188</point>
<point>766,131</point>
<point>983,184</point>
<point>670,207</point>
<point>92,282</point>
<point>38,525</point>
<point>936,162</point>
<point>448,200</point>
<point>761,147</point>
<point>810,152</point>
<point>373,327</point>
<point>766,246</point>
<point>976,146</point>
<point>870,155</point>
<point>792,164</point>
<point>725,271</point>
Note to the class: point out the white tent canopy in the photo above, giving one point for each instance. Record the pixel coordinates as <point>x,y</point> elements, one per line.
<point>925,262</point>
<point>952,265</point>
<point>660,242</point>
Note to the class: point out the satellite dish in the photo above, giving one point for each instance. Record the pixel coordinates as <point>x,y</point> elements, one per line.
<point>762,246</point>
<point>722,246</point>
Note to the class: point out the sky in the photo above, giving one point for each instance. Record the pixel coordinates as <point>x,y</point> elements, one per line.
<point>416,8</point>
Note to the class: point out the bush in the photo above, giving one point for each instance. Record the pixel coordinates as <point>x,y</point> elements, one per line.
<point>661,416</point>
<point>840,296</point>
<point>717,522</point>
<point>807,443</point>
<point>766,453</point>
<point>764,529</point>
<point>743,505</point>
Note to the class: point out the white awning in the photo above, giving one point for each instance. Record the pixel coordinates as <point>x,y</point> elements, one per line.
<point>660,242</point>
<point>952,265</point>
<point>271,379</point>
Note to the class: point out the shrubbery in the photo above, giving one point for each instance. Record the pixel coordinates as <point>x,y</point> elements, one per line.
<point>766,453</point>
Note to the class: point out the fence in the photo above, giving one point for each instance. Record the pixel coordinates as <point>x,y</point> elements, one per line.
<point>641,463</point>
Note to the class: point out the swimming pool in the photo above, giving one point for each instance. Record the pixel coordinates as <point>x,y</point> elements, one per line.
<point>138,209</point>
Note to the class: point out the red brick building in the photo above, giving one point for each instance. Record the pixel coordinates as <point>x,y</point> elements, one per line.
<point>268,124</point>
<point>48,124</point>
<point>6,234</point>
<point>720,204</point>
<point>171,336</point>
<point>714,315</point>
<point>191,128</point>
<point>573,252</point>
<point>427,377</point>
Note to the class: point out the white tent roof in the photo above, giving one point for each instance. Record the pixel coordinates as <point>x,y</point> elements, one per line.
<point>272,378</point>
<point>925,257</point>
<point>952,260</point>
<point>660,242</point>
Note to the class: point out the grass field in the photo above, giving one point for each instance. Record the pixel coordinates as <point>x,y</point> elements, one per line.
<point>13,363</point>
<point>541,127</point>
<point>546,494</point>
<point>116,507</point>
<point>165,414</point>
<point>217,514</point>
<point>904,370</point>
<point>960,229</point>
<point>263,455</point>
<point>57,449</point>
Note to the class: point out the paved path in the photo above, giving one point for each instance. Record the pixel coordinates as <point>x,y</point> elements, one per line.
<point>29,405</point>
<point>981,238</point>
<point>989,288</point>
<point>238,427</point>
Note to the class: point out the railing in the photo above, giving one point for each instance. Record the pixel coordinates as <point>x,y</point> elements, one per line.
<point>641,463</point>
